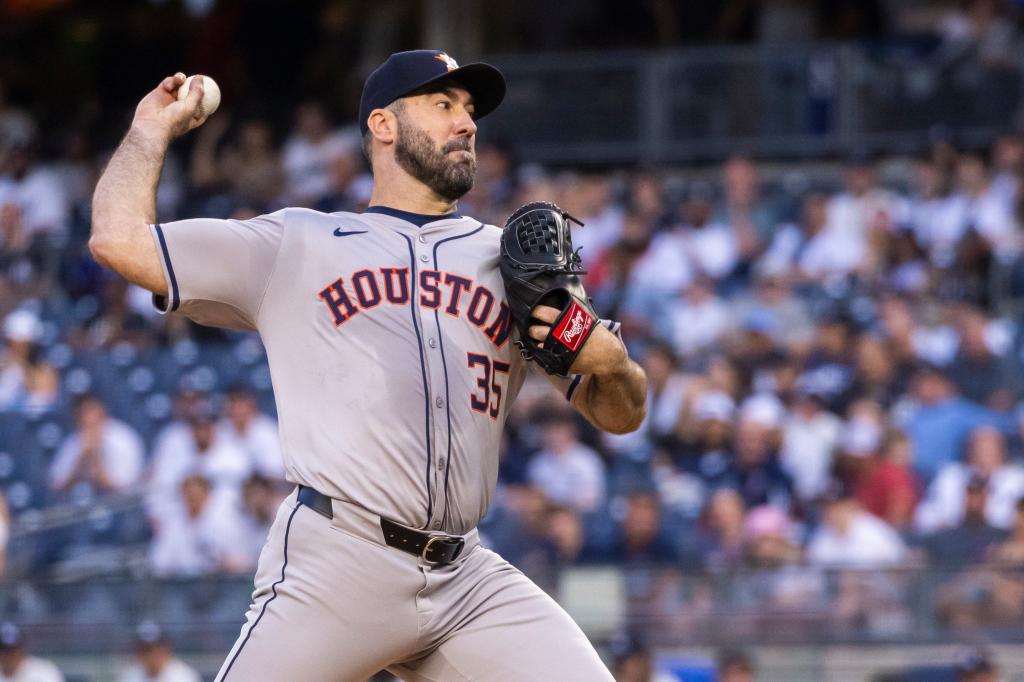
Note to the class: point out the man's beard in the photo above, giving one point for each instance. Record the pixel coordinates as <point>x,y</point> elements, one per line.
<point>417,155</point>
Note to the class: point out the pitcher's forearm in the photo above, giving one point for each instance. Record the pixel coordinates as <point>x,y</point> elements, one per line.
<point>124,203</point>
<point>123,207</point>
<point>617,402</point>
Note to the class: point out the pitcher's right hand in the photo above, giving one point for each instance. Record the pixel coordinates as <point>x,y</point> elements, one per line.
<point>160,115</point>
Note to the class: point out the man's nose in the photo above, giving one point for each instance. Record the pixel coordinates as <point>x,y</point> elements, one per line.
<point>465,125</point>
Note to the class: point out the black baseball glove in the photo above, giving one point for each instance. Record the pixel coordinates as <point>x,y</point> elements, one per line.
<point>539,266</point>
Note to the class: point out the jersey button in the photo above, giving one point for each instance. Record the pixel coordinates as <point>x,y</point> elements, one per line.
<point>437,526</point>
<point>432,342</point>
<point>424,257</point>
<point>440,465</point>
<point>439,401</point>
<point>423,240</point>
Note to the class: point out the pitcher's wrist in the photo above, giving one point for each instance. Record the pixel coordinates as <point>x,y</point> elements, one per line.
<point>150,137</point>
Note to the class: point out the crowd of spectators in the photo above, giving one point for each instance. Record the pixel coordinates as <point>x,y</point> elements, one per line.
<point>833,350</point>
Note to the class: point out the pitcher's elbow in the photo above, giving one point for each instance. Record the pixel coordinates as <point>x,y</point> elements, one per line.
<point>636,420</point>
<point>100,249</point>
<point>639,417</point>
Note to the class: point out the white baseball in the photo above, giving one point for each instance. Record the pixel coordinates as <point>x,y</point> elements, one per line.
<point>211,94</point>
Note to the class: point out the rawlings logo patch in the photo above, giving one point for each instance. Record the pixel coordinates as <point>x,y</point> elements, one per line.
<point>573,327</point>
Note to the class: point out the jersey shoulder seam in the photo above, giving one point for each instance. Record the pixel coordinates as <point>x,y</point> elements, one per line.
<point>273,269</point>
<point>312,211</point>
<point>349,215</point>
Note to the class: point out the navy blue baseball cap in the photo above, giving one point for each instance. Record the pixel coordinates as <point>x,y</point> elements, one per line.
<point>11,636</point>
<point>406,72</point>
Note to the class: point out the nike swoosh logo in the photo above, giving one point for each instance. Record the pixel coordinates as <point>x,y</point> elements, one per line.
<point>338,232</point>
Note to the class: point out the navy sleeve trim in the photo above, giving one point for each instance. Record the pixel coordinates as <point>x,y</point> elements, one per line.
<point>175,300</point>
<point>573,386</point>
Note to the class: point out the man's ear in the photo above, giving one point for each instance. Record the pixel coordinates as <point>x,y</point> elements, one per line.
<point>383,125</point>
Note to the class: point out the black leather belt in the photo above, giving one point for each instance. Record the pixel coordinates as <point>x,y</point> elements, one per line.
<point>318,502</point>
<point>437,549</point>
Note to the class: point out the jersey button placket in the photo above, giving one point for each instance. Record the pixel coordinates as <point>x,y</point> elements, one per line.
<point>430,321</point>
<point>435,376</point>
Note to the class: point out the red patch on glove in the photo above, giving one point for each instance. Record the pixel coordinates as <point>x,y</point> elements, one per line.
<point>574,326</point>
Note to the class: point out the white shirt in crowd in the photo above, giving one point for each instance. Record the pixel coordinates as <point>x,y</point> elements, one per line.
<point>693,325</point>
<point>807,447</point>
<point>943,506</point>
<point>574,478</point>
<point>212,541</point>
<point>123,456</point>
<point>713,249</point>
<point>993,219</point>
<point>176,456</point>
<point>937,343</point>
<point>176,670</point>
<point>665,266</point>
<point>41,198</point>
<point>938,225</point>
<point>868,542</point>
<point>675,256</point>
<point>852,217</point>
<point>260,442</point>
<point>829,252</point>
<point>35,670</point>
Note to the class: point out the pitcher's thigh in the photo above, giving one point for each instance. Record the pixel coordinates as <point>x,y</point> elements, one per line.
<point>519,634</point>
<point>316,615</point>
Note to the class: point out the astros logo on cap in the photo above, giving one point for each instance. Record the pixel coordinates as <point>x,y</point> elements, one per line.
<point>448,61</point>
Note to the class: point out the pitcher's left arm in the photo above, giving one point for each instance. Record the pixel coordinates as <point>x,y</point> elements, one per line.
<point>609,389</point>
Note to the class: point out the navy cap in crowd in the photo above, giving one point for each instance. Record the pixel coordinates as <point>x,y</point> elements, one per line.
<point>406,72</point>
<point>10,636</point>
<point>148,633</point>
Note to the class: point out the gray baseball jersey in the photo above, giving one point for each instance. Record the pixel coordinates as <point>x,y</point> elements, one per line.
<point>389,342</point>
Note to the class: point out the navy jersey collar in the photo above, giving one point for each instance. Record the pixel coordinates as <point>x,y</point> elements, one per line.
<point>417,219</point>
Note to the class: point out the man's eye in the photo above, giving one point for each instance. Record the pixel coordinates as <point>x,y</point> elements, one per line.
<point>444,104</point>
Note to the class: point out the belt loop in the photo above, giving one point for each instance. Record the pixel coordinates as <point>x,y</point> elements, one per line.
<point>316,501</point>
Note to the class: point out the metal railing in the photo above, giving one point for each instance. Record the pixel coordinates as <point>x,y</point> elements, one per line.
<point>667,607</point>
<point>783,101</point>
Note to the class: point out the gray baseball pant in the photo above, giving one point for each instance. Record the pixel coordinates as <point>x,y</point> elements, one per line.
<point>333,603</point>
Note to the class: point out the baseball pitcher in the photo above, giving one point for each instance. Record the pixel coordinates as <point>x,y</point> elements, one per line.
<point>397,340</point>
